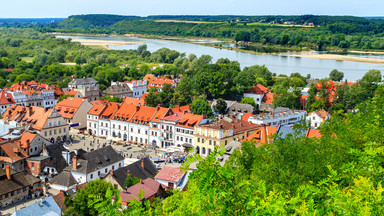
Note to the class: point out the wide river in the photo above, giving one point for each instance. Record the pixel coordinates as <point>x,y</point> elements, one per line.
<point>278,64</point>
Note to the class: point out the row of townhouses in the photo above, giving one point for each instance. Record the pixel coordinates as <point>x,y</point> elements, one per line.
<point>157,126</point>
<point>29,94</point>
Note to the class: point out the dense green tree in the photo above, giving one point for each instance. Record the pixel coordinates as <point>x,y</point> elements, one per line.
<point>200,106</point>
<point>130,181</point>
<point>249,100</point>
<point>336,75</point>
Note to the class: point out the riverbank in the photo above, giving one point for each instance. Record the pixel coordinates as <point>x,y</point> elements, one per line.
<point>200,41</point>
<point>103,43</point>
<point>339,58</point>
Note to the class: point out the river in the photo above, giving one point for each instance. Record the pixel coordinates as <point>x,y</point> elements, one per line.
<point>276,63</point>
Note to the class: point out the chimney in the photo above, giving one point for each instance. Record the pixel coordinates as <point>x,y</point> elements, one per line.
<point>158,106</point>
<point>141,181</point>
<point>8,171</point>
<point>128,173</point>
<point>30,110</point>
<point>142,163</point>
<point>111,172</point>
<point>10,130</point>
<point>137,107</point>
<point>245,135</point>
<point>74,162</point>
<point>282,112</point>
<point>44,150</point>
<point>75,187</point>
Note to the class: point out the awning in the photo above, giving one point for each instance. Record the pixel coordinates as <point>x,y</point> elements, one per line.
<point>187,145</point>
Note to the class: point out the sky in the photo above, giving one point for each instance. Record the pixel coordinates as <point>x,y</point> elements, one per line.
<point>63,9</point>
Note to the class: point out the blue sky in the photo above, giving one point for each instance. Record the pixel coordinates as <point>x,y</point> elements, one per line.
<point>53,8</point>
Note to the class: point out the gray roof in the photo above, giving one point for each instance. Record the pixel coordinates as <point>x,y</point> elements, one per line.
<point>65,178</point>
<point>96,160</point>
<point>45,207</point>
<point>121,88</point>
<point>278,113</point>
<point>245,108</point>
<point>230,148</point>
<point>136,170</point>
<point>18,181</point>
<point>82,81</point>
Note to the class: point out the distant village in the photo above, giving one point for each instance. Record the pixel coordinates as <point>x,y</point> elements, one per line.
<point>50,149</point>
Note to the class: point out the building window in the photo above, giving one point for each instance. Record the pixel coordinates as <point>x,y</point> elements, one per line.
<point>181,138</point>
<point>225,142</point>
<point>98,173</point>
<point>45,133</point>
<point>65,130</point>
<point>113,167</point>
<point>177,138</point>
<point>210,142</point>
<point>106,124</point>
<point>91,176</point>
<point>131,129</point>
<point>125,128</point>
<point>106,170</point>
<point>198,139</point>
<point>146,132</point>
<point>214,142</point>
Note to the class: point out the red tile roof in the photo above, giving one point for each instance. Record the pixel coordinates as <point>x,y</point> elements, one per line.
<point>149,186</point>
<point>321,113</point>
<point>98,102</point>
<point>17,149</point>
<point>34,87</point>
<point>258,89</point>
<point>189,120</point>
<point>144,114</point>
<point>268,98</point>
<point>109,110</point>
<point>35,116</point>
<point>69,106</point>
<point>71,92</point>
<point>313,133</point>
<point>246,116</point>
<point>159,82</point>
<point>135,101</point>
<point>9,69</point>
<point>173,174</point>
<point>173,117</point>
<point>96,109</point>
<point>148,77</point>
<point>161,113</point>
<point>6,98</point>
<point>263,135</point>
<point>125,111</point>
<point>182,108</point>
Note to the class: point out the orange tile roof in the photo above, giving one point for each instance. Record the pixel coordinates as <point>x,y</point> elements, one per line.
<point>268,98</point>
<point>71,92</point>
<point>258,89</point>
<point>236,125</point>
<point>96,109</point>
<point>182,108</point>
<point>14,150</point>
<point>161,113</point>
<point>321,113</point>
<point>6,98</point>
<point>143,115</point>
<point>109,110</point>
<point>125,111</point>
<point>35,116</point>
<point>27,138</point>
<point>189,120</point>
<point>313,133</point>
<point>148,77</point>
<point>246,116</point>
<point>69,106</point>
<point>144,95</point>
<point>159,82</point>
<point>27,88</point>
<point>135,101</point>
<point>170,174</point>
<point>262,135</point>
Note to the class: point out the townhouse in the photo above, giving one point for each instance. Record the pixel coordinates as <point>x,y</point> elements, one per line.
<point>87,87</point>
<point>280,116</point>
<point>74,110</point>
<point>185,128</point>
<point>220,133</point>
<point>47,122</point>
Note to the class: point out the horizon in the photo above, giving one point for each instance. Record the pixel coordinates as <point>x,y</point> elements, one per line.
<point>61,9</point>
<point>370,16</point>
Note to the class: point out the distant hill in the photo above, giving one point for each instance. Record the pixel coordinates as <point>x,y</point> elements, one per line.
<point>13,21</point>
<point>93,20</point>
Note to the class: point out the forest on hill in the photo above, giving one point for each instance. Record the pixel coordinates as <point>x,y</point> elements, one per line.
<point>340,33</point>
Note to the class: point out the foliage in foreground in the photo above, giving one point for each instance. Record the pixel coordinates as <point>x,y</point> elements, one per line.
<point>339,174</point>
